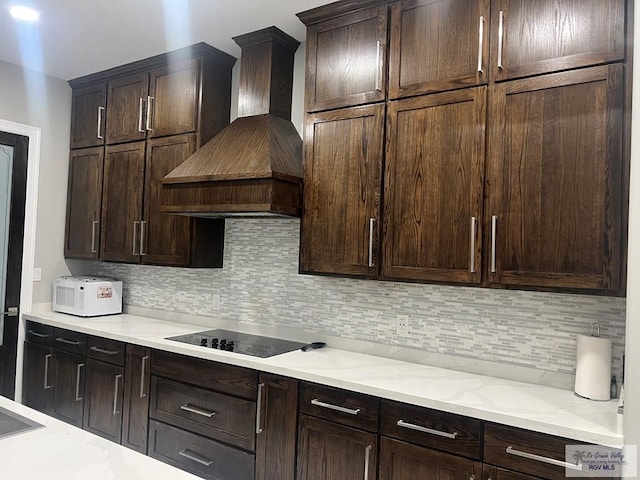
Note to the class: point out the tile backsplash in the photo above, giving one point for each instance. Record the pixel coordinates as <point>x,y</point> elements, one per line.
<point>260,285</point>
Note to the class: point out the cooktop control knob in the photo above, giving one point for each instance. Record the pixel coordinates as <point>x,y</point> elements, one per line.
<point>203,342</point>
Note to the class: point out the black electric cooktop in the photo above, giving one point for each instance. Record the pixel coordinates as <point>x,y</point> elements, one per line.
<point>246,344</point>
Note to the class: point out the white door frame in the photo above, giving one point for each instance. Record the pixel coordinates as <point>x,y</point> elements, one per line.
<point>29,243</point>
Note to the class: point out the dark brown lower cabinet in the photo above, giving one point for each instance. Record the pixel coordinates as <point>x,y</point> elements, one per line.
<point>37,383</point>
<point>276,437</point>
<point>104,387</point>
<point>68,403</point>
<point>404,461</point>
<point>328,451</point>
<point>199,455</point>
<point>135,412</point>
<point>495,473</point>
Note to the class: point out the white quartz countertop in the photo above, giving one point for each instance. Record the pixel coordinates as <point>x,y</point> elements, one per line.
<point>58,451</point>
<point>530,406</point>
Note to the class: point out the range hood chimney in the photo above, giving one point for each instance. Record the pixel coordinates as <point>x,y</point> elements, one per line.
<point>254,166</point>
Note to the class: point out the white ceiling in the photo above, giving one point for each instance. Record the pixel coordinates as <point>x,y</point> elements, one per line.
<point>77,37</point>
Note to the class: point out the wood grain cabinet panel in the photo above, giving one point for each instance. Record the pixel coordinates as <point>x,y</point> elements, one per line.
<point>122,202</point>
<point>434,187</point>
<point>127,98</point>
<point>104,387</point>
<point>544,36</point>
<point>495,473</point>
<point>39,377</point>
<point>343,180</point>
<point>403,461</point>
<point>68,403</point>
<point>346,60</point>
<point>88,116</point>
<point>555,180</point>
<point>84,200</point>
<point>437,45</point>
<point>135,412</point>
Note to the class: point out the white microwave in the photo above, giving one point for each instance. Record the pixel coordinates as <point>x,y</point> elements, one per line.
<point>87,296</point>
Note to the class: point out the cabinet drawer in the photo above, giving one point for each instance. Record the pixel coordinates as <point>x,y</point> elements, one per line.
<point>39,333</point>
<point>498,439</point>
<point>215,415</point>
<point>432,428</point>
<point>198,455</point>
<point>239,381</point>
<point>70,341</point>
<point>107,350</point>
<point>341,406</point>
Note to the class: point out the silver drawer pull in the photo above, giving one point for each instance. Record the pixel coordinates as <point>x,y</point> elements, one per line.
<point>411,426</point>
<point>75,343</point>
<point>78,368</point>
<point>47,357</point>
<point>337,408</point>
<point>259,428</point>
<point>367,454</point>
<point>102,350</point>
<point>187,407</point>
<point>547,460</point>
<point>195,457</point>
<point>116,389</point>
<point>143,373</point>
<point>37,334</point>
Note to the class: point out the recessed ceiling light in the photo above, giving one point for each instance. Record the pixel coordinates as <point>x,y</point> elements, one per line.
<point>25,14</point>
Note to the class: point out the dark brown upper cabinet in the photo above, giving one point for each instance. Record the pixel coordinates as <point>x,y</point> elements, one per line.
<point>88,117</point>
<point>343,180</point>
<point>437,45</point>
<point>434,186</point>
<point>346,59</point>
<point>555,158</point>
<point>84,200</point>
<point>531,37</point>
<point>126,117</point>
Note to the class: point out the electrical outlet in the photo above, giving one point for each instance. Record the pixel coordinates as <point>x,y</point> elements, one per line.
<point>402,325</point>
<point>37,274</point>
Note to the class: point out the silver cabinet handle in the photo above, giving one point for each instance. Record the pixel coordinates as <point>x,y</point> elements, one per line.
<point>494,228</point>
<point>378,69</point>
<point>186,453</point>
<point>551,461</point>
<point>338,408</point>
<point>78,368</point>
<point>140,108</point>
<point>37,334</point>
<point>187,407</point>
<point>47,357</point>
<point>480,44</point>
<point>75,343</point>
<point>116,387</point>
<point>500,37</point>
<point>143,373</point>
<point>102,350</point>
<point>367,454</point>
<point>100,110</point>
<point>259,428</point>
<point>135,237</point>
<point>143,228</point>
<point>150,99</point>
<point>94,235</point>
<point>411,426</point>
<point>473,477</point>
<point>372,222</point>
<point>472,266</point>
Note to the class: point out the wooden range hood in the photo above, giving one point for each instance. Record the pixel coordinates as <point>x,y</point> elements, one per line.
<point>254,166</point>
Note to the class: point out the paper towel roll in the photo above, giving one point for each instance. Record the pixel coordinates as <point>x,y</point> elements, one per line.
<point>593,367</point>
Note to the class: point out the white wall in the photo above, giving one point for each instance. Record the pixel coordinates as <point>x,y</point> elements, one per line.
<point>38,100</point>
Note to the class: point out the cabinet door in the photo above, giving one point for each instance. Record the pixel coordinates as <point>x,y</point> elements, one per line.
<point>433,187</point>
<point>103,399</point>
<point>122,202</point>
<point>438,45</point>
<point>342,183</point>
<point>495,473</point>
<point>328,451</point>
<point>530,37</point>
<point>165,237</point>
<point>555,155</point>
<point>404,461</point>
<point>38,378</point>
<point>128,107</point>
<point>346,61</point>
<point>68,404</point>
<point>84,199</point>
<point>135,419</point>
<point>174,99</point>
<point>276,437</point>
<point>88,107</point>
